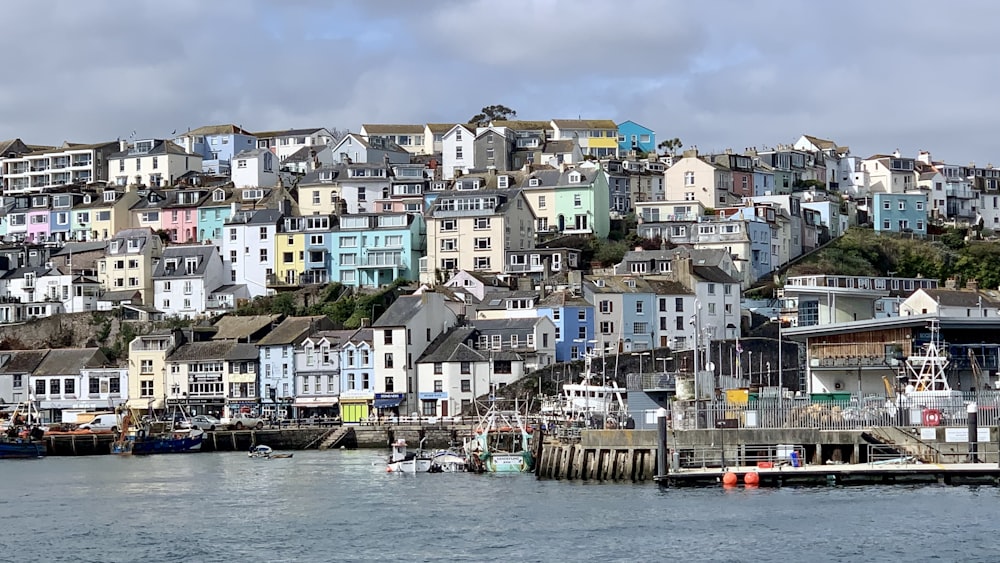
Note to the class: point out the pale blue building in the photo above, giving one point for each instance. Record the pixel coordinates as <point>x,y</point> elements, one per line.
<point>217,144</point>
<point>213,214</point>
<point>372,250</point>
<point>900,213</point>
<point>574,320</point>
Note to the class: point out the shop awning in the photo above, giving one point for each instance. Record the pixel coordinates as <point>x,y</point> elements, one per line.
<point>387,403</point>
<point>315,402</point>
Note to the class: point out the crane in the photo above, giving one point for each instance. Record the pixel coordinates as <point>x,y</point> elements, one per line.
<point>977,371</point>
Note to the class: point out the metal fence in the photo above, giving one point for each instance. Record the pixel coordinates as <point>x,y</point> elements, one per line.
<point>852,414</point>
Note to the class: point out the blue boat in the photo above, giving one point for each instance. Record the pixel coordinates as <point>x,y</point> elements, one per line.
<point>21,448</point>
<point>23,437</point>
<point>147,438</point>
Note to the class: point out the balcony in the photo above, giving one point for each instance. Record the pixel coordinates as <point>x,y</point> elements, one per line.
<point>81,162</point>
<point>382,261</point>
<point>298,279</point>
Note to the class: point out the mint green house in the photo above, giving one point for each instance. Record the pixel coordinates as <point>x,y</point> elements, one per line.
<point>570,200</point>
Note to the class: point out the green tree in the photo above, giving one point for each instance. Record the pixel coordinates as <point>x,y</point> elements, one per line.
<point>670,145</point>
<point>495,112</point>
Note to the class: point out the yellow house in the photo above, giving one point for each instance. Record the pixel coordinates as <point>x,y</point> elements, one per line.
<point>129,263</point>
<point>102,215</point>
<point>319,192</point>
<point>597,137</point>
<point>147,373</point>
<point>290,251</point>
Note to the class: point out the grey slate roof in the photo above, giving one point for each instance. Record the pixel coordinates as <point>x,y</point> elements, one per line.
<point>960,297</point>
<point>207,350</point>
<point>118,296</point>
<point>453,346</point>
<point>713,274</point>
<point>243,351</point>
<point>401,310</point>
<point>21,361</point>
<point>232,327</point>
<point>80,247</point>
<point>69,361</point>
<point>265,216</point>
<point>286,133</point>
<point>204,254</point>
<point>294,330</point>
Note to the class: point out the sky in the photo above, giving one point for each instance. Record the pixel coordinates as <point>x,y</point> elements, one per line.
<point>873,75</point>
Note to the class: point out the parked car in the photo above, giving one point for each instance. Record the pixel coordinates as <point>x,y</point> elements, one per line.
<point>206,422</point>
<point>243,420</point>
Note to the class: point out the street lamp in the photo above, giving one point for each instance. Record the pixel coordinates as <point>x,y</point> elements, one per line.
<point>641,354</point>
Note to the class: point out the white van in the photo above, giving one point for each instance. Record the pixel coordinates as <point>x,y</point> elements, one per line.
<point>102,422</point>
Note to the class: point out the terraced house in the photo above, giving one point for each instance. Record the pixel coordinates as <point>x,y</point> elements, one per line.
<point>569,200</point>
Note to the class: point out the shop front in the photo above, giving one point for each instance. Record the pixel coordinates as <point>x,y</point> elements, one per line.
<point>355,406</point>
<point>66,410</point>
<point>434,403</point>
<point>387,404</point>
<point>308,407</point>
<point>235,406</point>
<point>214,406</point>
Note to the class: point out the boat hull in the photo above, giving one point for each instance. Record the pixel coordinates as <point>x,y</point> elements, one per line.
<point>21,450</point>
<point>150,446</point>
<point>402,466</point>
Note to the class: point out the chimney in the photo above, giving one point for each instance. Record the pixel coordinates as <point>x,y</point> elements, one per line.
<point>122,145</point>
<point>951,283</point>
<point>681,268</point>
<point>365,322</point>
<point>972,284</point>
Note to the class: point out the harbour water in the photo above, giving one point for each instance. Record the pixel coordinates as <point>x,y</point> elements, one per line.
<point>343,506</point>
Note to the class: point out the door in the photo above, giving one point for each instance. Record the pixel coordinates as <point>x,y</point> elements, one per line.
<point>444,408</point>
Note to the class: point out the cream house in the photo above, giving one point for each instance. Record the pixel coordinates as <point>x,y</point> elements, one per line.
<point>128,266</point>
<point>151,162</point>
<point>473,229</point>
<point>147,368</point>
<point>692,178</point>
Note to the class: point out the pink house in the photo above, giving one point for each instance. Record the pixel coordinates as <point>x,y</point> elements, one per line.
<point>180,218</point>
<point>38,225</point>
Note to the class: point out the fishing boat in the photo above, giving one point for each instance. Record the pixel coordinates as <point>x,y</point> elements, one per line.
<point>600,405</point>
<point>144,437</point>
<point>501,443</point>
<point>23,436</point>
<point>400,460</point>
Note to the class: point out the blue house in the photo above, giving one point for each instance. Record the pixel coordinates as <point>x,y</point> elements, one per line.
<point>632,136</point>
<point>900,213</point>
<point>217,144</point>
<point>213,214</point>
<point>574,320</point>
<point>372,250</point>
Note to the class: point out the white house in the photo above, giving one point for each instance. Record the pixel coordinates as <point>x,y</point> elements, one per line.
<point>248,247</point>
<point>400,337</point>
<point>284,143</point>
<point>185,278</point>
<point>255,168</point>
<point>317,371</point>
<point>457,151</point>
<point>151,162</point>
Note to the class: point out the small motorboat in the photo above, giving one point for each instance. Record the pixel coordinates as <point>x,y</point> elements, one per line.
<point>401,461</point>
<point>261,451</point>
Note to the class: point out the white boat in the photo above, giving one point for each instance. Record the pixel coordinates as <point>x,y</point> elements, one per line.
<point>260,452</point>
<point>448,461</point>
<point>601,405</point>
<point>401,461</point>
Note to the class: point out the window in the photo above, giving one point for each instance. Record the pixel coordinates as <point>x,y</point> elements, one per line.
<point>146,388</point>
<point>902,205</point>
<point>886,225</point>
<point>458,153</point>
<point>689,178</point>
<point>146,366</point>
<point>482,223</point>
<point>388,360</point>
<point>640,328</point>
<point>263,255</point>
<point>711,289</point>
<point>607,327</point>
<point>428,407</point>
<point>438,368</point>
<point>466,386</point>
<point>577,200</point>
<point>482,243</point>
<point>481,263</point>
<point>448,225</point>
<point>448,244</point>
<point>53,386</point>
<point>438,385</point>
<point>387,337</point>
<point>389,384</point>
<point>605,306</point>
<point>581,315</point>
<point>886,204</point>
<point>639,307</point>
<point>466,368</point>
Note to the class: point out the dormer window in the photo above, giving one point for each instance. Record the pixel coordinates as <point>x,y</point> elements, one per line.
<point>599,283</point>
<point>630,283</point>
<point>87,198</point>
<point>190,265</point>
<point>219,195</point>
<point>110,196</point>
<point>534,182</point>
<point>503,181</point>
<point>115,245</point>
<point>171,265</point>
<point>574,178</point>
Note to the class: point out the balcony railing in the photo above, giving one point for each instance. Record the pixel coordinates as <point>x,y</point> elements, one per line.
<point>382,262</point>
<point>293,279</point>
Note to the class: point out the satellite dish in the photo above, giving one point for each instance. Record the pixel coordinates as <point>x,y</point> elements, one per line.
<point>710,366</point>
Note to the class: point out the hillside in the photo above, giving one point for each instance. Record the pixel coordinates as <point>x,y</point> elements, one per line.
<point>863,252</point>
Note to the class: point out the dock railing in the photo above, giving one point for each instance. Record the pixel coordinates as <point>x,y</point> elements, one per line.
<point>852,414</point>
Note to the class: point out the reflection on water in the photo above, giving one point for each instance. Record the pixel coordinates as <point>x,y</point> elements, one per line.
<point>342,505</point>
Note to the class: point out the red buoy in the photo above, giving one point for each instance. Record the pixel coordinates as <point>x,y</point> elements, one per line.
<point>729,478</point>
<point>751,478</point>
